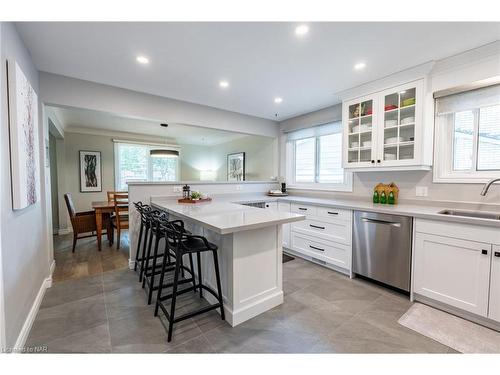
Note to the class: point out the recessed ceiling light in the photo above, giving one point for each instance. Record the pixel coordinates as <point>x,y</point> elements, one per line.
<point>142,60</point>
<point>360,66</point>
<point>278,100</point>
<point>301,30</point>
<point>224,84</point>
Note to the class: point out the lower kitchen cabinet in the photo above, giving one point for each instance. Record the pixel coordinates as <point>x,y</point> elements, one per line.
<point>494,310</point>
<point>453,271</point>
<point>285,207</point>
<point>327,251</point>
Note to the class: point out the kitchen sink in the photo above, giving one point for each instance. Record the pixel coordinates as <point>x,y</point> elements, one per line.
<point>476,214</point>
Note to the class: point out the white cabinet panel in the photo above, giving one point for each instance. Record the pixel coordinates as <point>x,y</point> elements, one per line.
<point>285,207</point>
<point>494,310</point>
<point>338,231</point>
<point>330,252</point>
<point>304,209</point>
<point>271,205</point>
<point>453,271</point>
<point>333,214</point>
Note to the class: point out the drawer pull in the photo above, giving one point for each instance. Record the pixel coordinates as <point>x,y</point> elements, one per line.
<point>316,226</point>
<point>302,208</point>
<point>484,252</point>
<point>333,213</point>
<point>316,248</point>
<point>497,254</point>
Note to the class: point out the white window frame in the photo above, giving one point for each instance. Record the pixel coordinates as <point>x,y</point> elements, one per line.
<point>151,146</point>
<point>443,154</point>
<point>346,186</point>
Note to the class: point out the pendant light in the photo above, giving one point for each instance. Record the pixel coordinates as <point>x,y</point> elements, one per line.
<point>164,153</point>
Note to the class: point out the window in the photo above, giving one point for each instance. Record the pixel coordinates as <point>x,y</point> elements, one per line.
<point>314,158</point>
<point>467,147</point>
<point>133,163</point>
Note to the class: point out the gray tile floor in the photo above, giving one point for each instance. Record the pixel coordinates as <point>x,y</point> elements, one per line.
<point>323,312</point>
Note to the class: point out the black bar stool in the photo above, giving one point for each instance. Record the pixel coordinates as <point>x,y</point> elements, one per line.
<point>142,209</point>
<point>149,235</point>
<point>153,267</point>
<point>182,243</point>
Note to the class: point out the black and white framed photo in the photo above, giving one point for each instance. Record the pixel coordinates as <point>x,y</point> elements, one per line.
<point>236,167</point>
<point>90,171</point>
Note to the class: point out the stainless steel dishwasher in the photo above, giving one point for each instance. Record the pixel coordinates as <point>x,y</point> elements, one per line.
<point>382,248</point>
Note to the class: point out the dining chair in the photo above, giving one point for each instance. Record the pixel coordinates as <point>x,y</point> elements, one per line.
<point>85,223</point>
<point>120,220</point>
<point>111,195</point>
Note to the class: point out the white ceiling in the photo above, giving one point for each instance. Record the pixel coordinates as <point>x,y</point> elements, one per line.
<point>75,119</point>
<point>260,60</point>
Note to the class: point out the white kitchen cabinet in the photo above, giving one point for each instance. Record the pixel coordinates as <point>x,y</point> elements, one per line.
<point>453,271</point>
<point>386,130</point>
<point>285,207</point>
<point>494,306</point>
<point>271,205</point>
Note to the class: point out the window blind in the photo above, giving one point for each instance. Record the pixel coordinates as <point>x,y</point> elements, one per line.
<point>315,131</point>
<point>468,100</point>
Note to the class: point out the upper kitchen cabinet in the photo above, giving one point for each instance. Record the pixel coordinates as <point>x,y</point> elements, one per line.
<point>359,131</point>
<point>387,130</point>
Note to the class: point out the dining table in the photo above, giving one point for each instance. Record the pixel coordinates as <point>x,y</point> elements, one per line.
<point>101,208</point>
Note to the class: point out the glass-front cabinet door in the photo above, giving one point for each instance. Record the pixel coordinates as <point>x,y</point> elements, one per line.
<point>400,126</point>
<point>359,132</point>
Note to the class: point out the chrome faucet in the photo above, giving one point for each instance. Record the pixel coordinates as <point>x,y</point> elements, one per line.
<point>487,186</point>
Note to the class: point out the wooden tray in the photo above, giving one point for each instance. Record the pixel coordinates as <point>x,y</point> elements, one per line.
<point>189,200</point>
<point>277,195</point>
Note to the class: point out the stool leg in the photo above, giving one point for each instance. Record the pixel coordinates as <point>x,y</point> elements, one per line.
<point>160,287</point>
<point>198,260</point>
<point>191,264</point>
<point>143,255</point>
<point>138,246</point>
<point>174,297</point>
<point>145,259</point>
<point>152,282</point>
<point>219,289</point>
<point>148,257</point>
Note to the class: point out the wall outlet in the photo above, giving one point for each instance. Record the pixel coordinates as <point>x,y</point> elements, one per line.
<point>239,187</point>
<point>421,191</point>
<point>178,189</point>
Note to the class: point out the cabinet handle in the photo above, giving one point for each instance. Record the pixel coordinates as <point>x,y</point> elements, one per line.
<point>302,208</point>
<point>316,226</point>
<point>378,161</point>
<point>373,161</point>
<point>484,252</point>
<point>497,254</point>
<point>316,248</point>
<point>333,213</point>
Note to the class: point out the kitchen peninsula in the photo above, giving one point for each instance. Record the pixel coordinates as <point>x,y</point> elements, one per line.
<point>250,251</point>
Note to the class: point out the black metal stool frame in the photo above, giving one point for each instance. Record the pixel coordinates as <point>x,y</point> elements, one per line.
<point>177,243</point>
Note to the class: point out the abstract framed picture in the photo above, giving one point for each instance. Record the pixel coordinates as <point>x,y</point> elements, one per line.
<point>90,172</point>
<point>23,133</point>
<point>236,167</point>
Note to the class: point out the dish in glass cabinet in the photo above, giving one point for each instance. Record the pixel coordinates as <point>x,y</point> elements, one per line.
<point>408,120</point>
<point>390,123</point>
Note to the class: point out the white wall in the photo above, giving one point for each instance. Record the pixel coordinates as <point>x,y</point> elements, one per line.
<point>24,247</point>
<point>470,66</point>
<point>59,90</point>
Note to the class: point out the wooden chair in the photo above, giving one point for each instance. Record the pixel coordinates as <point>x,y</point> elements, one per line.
<point>84,222</point>
<point>120,220</point>
<point>111,195</point>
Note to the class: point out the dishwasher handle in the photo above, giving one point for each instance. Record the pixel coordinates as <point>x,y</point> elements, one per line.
<point>383,222</point>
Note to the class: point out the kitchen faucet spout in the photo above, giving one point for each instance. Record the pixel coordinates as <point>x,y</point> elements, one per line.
<point>487,186</point>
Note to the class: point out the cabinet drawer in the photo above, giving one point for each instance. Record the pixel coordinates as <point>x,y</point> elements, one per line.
<point>338,231</point>
<point>304,209</point>
<point>334,213</point>
<point>329,252</point>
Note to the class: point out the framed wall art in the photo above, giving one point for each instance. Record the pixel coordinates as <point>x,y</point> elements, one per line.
<point>90,171</point>
<point>236,167</point>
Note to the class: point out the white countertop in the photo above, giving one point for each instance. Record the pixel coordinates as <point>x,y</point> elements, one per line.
<point>231,203</point>
<point>223,216</point>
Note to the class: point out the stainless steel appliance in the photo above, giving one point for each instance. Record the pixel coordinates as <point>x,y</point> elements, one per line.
<point>382,248</point>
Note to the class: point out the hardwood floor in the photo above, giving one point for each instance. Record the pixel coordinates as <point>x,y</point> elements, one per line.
<point>87,260</point>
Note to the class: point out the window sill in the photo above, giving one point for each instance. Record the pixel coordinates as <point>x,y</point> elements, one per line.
<point>462,180</point>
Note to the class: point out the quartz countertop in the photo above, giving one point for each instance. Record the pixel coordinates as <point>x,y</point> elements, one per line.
<point>423,209</point>
<point>224,216</point>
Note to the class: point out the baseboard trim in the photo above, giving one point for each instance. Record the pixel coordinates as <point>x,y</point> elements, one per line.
<point>51,272</point>
<point>131,264</point>
<point>28,323</point>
